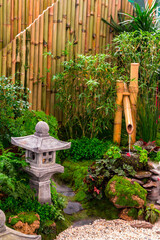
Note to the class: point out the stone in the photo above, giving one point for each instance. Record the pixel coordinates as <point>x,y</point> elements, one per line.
<point>155,178</point>
<point>124,193</point>
<point>41,155</point>
<point>83,222</point>
<point>142,224</point>
<point>143,174</point>
<point>138,181</point>
<point>138,143</point>
<point>73,207</point>
<point>154,171</point>
<point>124,215</point>
<point>64,190</point>
<point>154,194</point>
<point>10,234</point>
<point>150,165</point>
<point>2,221</point>
<point>150,184</point>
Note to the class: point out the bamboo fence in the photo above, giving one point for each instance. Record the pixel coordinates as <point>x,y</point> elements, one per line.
<point>27,32</point>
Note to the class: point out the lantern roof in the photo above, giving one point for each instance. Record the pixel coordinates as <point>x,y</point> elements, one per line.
<point>40,141</point>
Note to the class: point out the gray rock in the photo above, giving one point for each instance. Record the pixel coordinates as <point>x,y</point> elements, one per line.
<point>84,222</point>
<point>150,184</point>
<point>64,190</point>
<point>141,225</point>
<point>154,194</point>
<point>154,171</point>
<point>73,207</point>
<point>155,178</point>
<point>143,174</point>
<point>138,181</point>
<point>2,221</point>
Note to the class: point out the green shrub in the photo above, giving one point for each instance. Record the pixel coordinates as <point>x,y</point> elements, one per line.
<point>123,191</point>
<point>85,149</point>
<point>150,213</point>
<point>29,218</point>
<point>86,93</point>
<point>102,170</point>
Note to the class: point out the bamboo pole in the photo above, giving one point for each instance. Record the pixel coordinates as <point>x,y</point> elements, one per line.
<point>84,25</point>
<point>4,23</point>
<point>23,22</point>
<point>8,22</point>
<point>54,47</point>
<point>79,37</point>
<point>31,76</point>
<point>1,62</point>
<point>28,45</point>
<point>1,24</point>
<point>106,34</point>
<point>50,27</point>
<point>45,42</point>
<point>41,22</point>
<point>76,39</point>
<point>9,59</point>
<point>4,61</point>
<point>102,24</point>
<point>12,19</point>
<point>91,26</point>
<point>23,57</point>
<point>87,26</point>
<point>72,32</point>
<point>68,27</point>
<point>15,31</point>
<point>19,15</point>
<point>133,89</point>
<point>127,111</point>
<point>13,60</point>
<point>64,29</point>
<point>95,27</point>
<point>30,18</point>
<point>118,113</point>
<point>98,25</point>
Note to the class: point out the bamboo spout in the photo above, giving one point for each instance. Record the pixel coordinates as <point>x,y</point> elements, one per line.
<point>127,111</point>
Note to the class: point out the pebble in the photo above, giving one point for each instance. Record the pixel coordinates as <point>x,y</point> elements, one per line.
<point>118,229</point>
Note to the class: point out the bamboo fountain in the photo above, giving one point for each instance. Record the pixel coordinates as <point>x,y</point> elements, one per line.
<point>127,99</point>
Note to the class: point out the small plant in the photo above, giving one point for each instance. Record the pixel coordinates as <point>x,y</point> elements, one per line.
<point>143,154</point>
<point>102,170</point>
<point>150,213</point>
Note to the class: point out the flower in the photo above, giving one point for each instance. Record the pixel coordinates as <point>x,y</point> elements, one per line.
<point>158,179</point>
<point>96,190</point>
<point>128,154</point>
<point>91,177</point>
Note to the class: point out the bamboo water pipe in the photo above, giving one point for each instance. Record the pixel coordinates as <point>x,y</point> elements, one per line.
<point>127,110</point>
<point>133,89</point>
<point>118,114</point>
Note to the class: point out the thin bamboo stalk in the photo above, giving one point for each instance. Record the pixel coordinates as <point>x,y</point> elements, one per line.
<point>54,47</point>
<point>1,24</point>
<point>98,25</point>
<point>19,15</point>
<point>68,27</point>
<point>118,113</point>
<point>28,47</point>
<point>102,25</point>
<point>18,59</point>
<point>50,27</point>
<point>30,18</point>
<point>4,23</point>
<point>8,22</point>
<point>41,22</point>
<point>95,28</point>
<point>4,61</point>
<point>91,25</point>
<point>133,88</point>
<point>76,28</point>
<point>15,17</point>
<point>9,59</point>
<point>36,53</point>
<point>13,60</point>
<point>105,36</point>
<point>45,42</point>
<point>59,35</point>
<point>26,14</point>
<point>31,65</point>
<point>23,57</point>
<point>23,23</point>
<point>84,20</point>
<point>113,12</point>
<point>87,26</point>
<point>64,29</point>
<point>12,19</point>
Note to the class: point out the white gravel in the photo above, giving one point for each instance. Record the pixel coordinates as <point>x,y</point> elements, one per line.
<point>110,230</point>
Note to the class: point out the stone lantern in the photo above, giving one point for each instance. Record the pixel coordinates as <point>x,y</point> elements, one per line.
<point>41,154</point>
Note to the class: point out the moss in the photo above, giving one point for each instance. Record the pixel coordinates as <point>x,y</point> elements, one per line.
<point>133,212</point>
<point>29,218</point>
<point>124,190</point>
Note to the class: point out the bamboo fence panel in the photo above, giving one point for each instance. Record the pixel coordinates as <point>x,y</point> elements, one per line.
<point>33,32</point>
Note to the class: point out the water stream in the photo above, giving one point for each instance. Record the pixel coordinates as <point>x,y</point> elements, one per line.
<point>129,143</point>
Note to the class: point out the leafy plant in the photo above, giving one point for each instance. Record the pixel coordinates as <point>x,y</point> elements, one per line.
<point>13,99</point>
<point>102,170</point>
<point>143,154</point>
<point>85,149</point>
<point>86,90</point>
<point>150,213</point>
<point>143,19</point>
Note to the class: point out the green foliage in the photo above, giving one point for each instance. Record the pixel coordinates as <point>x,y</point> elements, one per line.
<point>25,125</point>
<point>143,154</point>
<point>29,218</point>
<point>150,213</point>
<point>45,211</point>
<point>148,118</point>
<point>133,213</point>
<point>102,170</point>
<point>13,99</point>
<point>143,19</point>
<point>86,93</point>
<point>124,191</point>
<point>85,149</point>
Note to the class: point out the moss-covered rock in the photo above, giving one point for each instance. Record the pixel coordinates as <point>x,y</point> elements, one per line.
<point>123,192</point>
<point>129,214</point>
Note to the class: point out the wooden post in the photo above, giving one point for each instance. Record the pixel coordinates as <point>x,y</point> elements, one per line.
<point>133,89</point>
<point>118,114</point>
